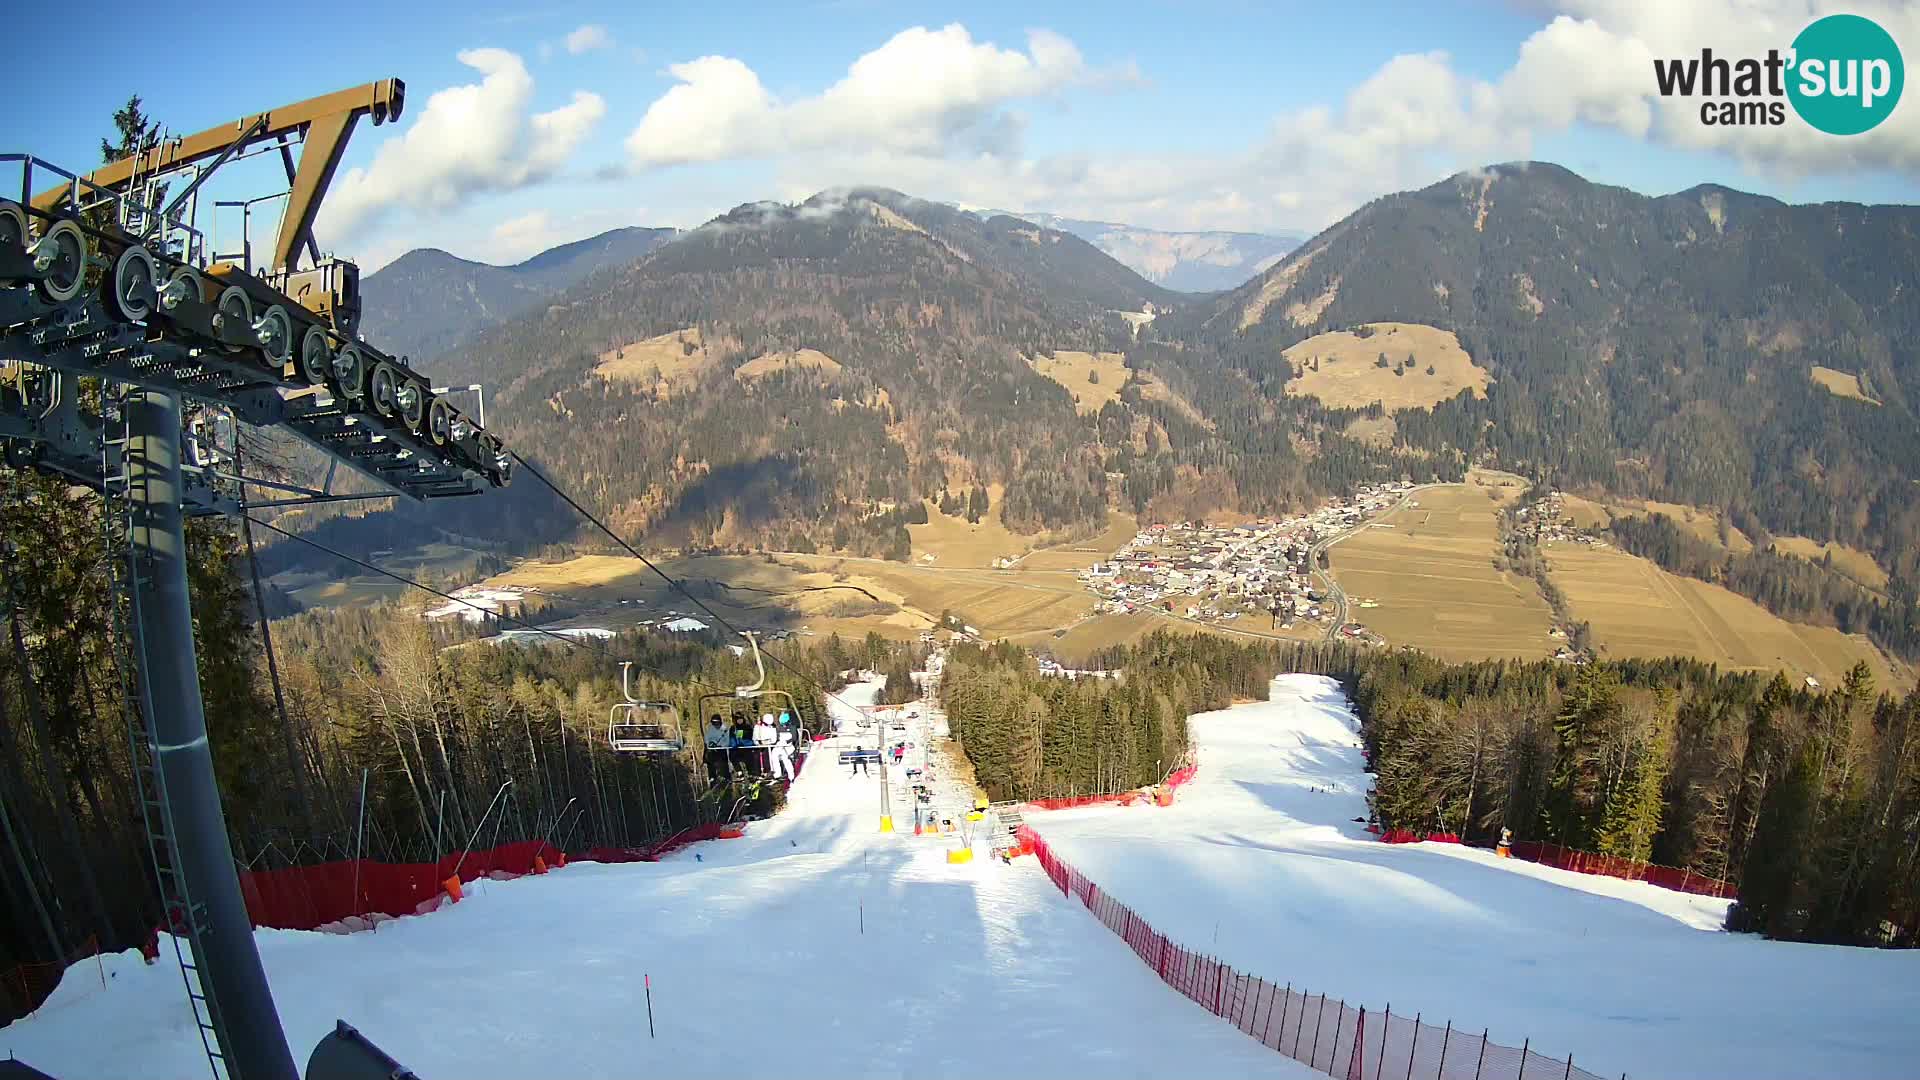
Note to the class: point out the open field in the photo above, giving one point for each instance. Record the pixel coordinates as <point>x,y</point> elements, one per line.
<point>661,362</point>
<point>1347,376</point>
<point>749,591</point>
<point>761,366</point>
<point>998,603</point>
<point>955,541</point>
<point>1077,555</point>
<point>1850,561</point>
<point>326,590</point>
<point>1429,569</point>
<point>1840,383</point>
<point>1698,520</point>
<point>1637,609</point>
<point>1072,370</point>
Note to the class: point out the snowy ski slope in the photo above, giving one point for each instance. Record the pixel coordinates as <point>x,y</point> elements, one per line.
<point>759,963</point>
<point>1257,866</point>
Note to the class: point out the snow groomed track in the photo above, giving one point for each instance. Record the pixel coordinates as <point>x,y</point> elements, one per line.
<point>1260,863</point>
<point>813,947</point>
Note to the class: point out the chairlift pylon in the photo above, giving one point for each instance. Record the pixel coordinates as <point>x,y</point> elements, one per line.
<point>643,727</point>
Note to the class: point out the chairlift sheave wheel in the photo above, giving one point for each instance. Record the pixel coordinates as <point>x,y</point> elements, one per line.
<point>233,314</point>
<point>439,422</point>
<point>13,227</point>
<point>131,294</point>
<point>316,358</point>
<point>274,330</point>
<point>60,260</point>
<point>350,372</point>
<point>184,286</point>
<point>411,397</point>
<point>382,388</point>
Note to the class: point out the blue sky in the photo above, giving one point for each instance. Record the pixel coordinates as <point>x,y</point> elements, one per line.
<point>1190,115</point>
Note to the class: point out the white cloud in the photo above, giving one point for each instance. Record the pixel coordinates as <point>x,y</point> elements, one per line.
<point>1604,50</point>
<point>1414,120</point>
<point>923,92</point>
<point>467,140</point>
<point>588,38</point>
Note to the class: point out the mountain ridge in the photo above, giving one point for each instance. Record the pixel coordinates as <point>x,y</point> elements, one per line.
<point>1193,261</point>
<point>425,301</point>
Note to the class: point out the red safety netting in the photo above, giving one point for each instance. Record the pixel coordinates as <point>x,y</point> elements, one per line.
<point>1403,836</point>
<point>1162,795</point>
<point>1585,862</point>
<point>1331,1036</point>
<point>309,897</point>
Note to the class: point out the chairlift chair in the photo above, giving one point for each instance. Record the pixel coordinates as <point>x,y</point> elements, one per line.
<point>760,699</point>
<point>643,727</point>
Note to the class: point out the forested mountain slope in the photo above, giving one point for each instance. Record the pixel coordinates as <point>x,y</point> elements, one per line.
<point>1663,347</point>
<point>424,301</point>
<point>802,376</point>
<point>1649,345</point>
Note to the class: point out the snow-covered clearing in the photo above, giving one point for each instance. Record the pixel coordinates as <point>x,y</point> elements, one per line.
<point>1260,863</point>
<point>759,963</point>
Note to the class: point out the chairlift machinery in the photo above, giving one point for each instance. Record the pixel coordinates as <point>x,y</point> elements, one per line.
<point>186,343</point>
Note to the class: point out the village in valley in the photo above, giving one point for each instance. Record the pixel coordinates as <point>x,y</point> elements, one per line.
<point>1267,570</point>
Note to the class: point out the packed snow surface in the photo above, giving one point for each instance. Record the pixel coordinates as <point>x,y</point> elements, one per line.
<point>1260,862</point>
<point>813,947</point>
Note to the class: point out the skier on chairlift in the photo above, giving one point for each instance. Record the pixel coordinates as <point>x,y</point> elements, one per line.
<point>718,752</point>
<point>763,739</point>
<point>783,754</point>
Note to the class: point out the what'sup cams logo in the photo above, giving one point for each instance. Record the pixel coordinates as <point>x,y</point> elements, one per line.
<point>1842,75</point>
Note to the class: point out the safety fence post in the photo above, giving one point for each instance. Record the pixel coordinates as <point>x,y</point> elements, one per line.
<point>1284,1003</point>
<point>1253,1018</point>
<point>1339,1018</point>
<point>1445,1038</point>
<point>1380,1060</point>
<point>1319,1015</point>
<point>1483,1054</point>
<point>1357,1061</point>
<point>1219,985</point>
<point>1568,1075</point>
<point>1524,1045</point>
<point>1411,1050</point>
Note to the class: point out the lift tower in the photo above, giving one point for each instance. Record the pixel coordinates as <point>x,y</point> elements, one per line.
<point>100,280</point>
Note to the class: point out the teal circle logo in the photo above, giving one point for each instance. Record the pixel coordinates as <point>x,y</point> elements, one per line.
<point>1847,75</point>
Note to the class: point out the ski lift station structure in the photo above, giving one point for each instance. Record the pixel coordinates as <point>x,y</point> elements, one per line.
<point>187,343</point>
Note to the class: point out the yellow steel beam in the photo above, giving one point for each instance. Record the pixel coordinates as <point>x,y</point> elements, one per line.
<point>325,121</point>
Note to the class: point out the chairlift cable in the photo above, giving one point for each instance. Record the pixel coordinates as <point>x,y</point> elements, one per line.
<point>562,638</point>
<point>664,576</point>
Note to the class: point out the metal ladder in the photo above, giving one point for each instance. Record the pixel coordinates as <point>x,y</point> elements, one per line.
<point>181,913</point>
